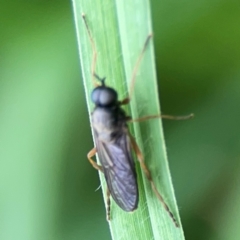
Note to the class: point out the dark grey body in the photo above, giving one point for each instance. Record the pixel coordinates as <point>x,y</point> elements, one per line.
<point>114,152</point>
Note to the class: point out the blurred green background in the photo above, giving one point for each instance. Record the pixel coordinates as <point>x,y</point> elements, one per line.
<point>47,185</point>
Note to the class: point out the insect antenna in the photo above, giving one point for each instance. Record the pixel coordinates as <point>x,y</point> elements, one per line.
<point>94,54</point>
<point>102,80</point>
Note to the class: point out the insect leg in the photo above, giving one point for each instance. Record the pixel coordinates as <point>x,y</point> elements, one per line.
<point>94,164</point>
<point>162,116</point>
<point>134,73</point>
<point>125,101</point>
<point>149,177</point>
<point>94,54</point>
<point>108,205</point>
<point>135,69</point>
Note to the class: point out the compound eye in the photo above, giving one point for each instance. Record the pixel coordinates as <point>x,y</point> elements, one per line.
<point>104,96</point>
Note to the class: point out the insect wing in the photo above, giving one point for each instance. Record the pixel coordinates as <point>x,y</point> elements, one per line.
<point>119,170</point>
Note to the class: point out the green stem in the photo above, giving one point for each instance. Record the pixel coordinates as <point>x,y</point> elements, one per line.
<point>119,29</point>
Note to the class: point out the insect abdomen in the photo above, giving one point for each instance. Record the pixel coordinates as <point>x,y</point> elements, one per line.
<point>114,151</point>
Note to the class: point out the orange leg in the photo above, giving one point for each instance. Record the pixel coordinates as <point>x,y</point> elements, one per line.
<point>149,177</point>
<point>91,154</point>
<point>94,51</point>
<point>125,101</point>
<point>137,64</point>
<point>108,205</point>
<point>98,167</point>
<point>162,116</point>
<point>134,73</point>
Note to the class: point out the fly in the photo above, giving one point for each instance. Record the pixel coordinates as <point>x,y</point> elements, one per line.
<point>114,141</point>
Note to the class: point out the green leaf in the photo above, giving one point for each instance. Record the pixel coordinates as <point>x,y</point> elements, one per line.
<point>119,29</point>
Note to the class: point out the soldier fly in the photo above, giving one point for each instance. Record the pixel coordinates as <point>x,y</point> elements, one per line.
<point>114,141</point>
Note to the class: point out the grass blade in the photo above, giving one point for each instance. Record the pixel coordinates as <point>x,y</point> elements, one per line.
<point>119,29</point>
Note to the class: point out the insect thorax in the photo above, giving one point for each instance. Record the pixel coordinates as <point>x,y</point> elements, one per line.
<point>108,122</point>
